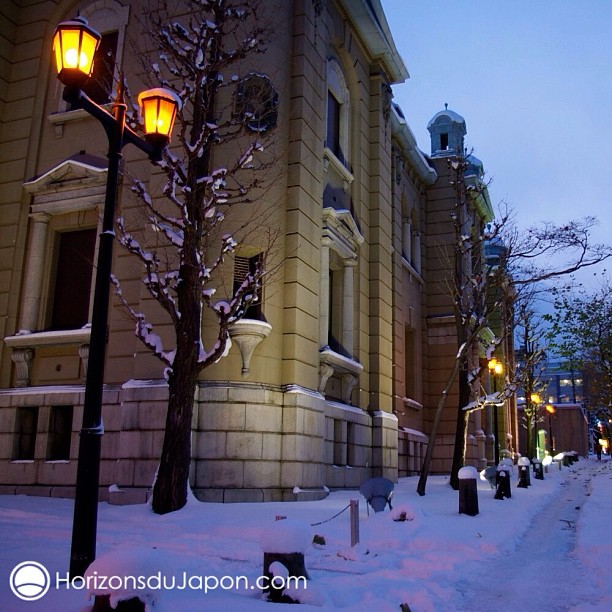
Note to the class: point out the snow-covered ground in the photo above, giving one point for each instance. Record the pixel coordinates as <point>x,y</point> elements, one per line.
<point>547,549</point>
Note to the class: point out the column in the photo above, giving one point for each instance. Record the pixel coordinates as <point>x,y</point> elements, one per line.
<point>416,247</point>
<point>34,272</point>
<point>324,295</point>
<point>347,305</point>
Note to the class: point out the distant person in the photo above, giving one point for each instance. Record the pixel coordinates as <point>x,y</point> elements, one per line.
<point>598,451</point>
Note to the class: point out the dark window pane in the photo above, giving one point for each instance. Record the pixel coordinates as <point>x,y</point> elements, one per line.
<point>99,86</point>
<point>26,425</point>
<point>73,279</point>
<point>333,125</point>
<point>60,431</point>
<point>242,267</point>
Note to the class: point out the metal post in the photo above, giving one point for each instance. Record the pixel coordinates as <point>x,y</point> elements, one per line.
<point>354,511</point>
<point>83,550</point>
<point>495,423</point>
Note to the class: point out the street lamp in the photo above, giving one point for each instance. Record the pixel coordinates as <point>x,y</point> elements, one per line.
<point>74,44</point>
<point>551,410</point>
<point>495,368</point>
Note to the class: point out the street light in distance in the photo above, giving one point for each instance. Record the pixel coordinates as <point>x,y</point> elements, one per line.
<point>495,368</point>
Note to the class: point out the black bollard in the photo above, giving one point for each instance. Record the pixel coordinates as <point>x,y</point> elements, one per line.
<point>468,491</point>
<point>283,544</point>
<point>503,483</point>
<point>524,479</point>
<point>538,470</point>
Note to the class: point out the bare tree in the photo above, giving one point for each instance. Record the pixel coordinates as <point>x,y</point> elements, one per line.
<point>479,288</point>
<point>219,169</point>
<point>531,336</point>
<point>581,333</point>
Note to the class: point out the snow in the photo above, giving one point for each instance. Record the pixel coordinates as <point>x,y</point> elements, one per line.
<point>545,548</point>
<point>286,536</point>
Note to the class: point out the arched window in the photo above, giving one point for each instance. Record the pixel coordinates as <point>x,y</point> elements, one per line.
<point>337,140</point>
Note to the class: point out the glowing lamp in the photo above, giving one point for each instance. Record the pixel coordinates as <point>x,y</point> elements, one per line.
<point>75,44</point>
<point>495,366</point>
<point>158,108</point>
<point>550,409</point>
<point>535,398</point>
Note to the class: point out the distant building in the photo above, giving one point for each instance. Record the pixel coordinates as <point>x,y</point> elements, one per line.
<point>337,377</point>
<point>565,427</point>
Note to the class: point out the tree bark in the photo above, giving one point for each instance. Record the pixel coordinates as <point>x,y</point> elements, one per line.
<point>170,490</point>
<point>462,425</point>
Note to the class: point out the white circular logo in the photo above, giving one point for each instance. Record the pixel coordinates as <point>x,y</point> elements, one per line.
<point>30,581</point>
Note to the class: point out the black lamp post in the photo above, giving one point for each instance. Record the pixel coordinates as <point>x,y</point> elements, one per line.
<point>535,403</point>
<point>495,367</point>
<point>74,44</point>
<point>551,410</point>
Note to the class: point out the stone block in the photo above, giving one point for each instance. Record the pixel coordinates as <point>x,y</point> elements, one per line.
<point>63,492</point>
<point>260,417</point>
<point>222,417</point>
<point>36,490</point>
<point>272,447</point>
<point>292,474</point>
<point>264,474</point>
<point>144,472</point>
<point>210,444</point>
<point>129,416</point>
<point>251,395</point>
<point>122,472</point>
<point>244,445</point>
<point>213,473</point>
<point>141,444</point>
<point>209,495</point>
<point>242,496</point>
<point>127,497</point>
<point>57,472</point>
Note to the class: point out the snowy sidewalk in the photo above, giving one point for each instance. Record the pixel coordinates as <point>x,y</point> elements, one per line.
<point>542,573</point>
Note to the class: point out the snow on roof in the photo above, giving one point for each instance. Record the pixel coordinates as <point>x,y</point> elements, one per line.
<point>452,115</point>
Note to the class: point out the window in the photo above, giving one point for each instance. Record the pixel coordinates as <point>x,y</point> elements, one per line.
<point>110,18</point>
<point>24,440</point>
<point>243,266</point>
<point>337,338</point>
<point>409,363</point>
<point>443,142</point>
<point>257,103</point>
<point>337,130</point>
<point>70,304</point>
<point>99,86</point>
<point>333,125</point>
<point>60,432</point>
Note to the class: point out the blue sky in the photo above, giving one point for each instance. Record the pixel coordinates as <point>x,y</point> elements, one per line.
<point>533,80</point>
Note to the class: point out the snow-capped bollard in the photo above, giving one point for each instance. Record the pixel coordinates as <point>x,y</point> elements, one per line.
<point>559,458</point>
<point>283,544</point>
<point>538,470</point>
<point>503,481</point>
<point>524,478</point>
<point>468,491</point>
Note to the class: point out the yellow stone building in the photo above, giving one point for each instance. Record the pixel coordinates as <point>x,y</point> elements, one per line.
<point>341,380</point>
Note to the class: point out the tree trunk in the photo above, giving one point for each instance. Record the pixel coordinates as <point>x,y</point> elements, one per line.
<point>170,490</point>
<point>462,427</point>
